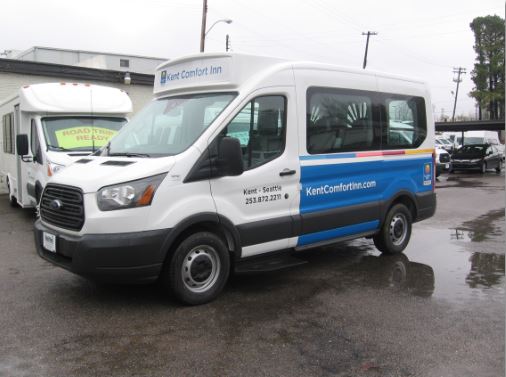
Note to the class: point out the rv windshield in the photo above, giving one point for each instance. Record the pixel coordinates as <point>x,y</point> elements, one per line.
<point>168,126</point>
<point>79,133</point>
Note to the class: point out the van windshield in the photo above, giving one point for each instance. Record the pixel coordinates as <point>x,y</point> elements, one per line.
<point>79,133</point>
<point>168,126</point>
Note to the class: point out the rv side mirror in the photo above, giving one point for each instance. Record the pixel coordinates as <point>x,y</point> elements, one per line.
<point>230,157</point>
<point>22,145</point>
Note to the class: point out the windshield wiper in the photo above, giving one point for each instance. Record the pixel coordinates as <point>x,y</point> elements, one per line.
<point>55,147</point>
<point>129,154</point>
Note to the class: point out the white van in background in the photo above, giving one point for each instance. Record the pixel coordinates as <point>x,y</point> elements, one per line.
<point>45,127</point>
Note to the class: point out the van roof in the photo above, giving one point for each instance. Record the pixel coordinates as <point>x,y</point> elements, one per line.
<point>222,71</point>
<point>72,98</point>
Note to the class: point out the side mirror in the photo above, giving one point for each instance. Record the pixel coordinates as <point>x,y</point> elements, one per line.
<point>22,145</point>
<point>230,157</point>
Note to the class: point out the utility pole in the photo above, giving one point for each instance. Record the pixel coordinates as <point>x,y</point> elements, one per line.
<point>459,71</point>
<point>203,28</point>
<point>227,43</point>
<point>369,33</point>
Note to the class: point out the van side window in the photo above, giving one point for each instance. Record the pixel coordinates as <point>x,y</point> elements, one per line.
<point>340,120</point>
<point>8,133</point>
<point>260,127</point>
<point>406,126</point>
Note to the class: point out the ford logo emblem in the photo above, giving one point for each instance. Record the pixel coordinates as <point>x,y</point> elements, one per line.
<point>56,205</point>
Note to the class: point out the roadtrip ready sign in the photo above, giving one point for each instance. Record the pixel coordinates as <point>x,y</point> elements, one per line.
<point>202,71</point>
<point>83,137</point>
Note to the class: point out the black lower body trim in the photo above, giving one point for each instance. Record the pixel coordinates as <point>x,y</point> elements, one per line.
<point>119,258</point>
<point>265,230</point>
<point>426,205</point>
<point>339,217</point>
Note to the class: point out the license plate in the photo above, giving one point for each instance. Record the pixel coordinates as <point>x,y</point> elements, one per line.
<point>49,242</point>
<point>447,166</point>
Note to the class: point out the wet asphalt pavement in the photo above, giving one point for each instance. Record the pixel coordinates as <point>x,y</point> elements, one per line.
<point>437,310</point>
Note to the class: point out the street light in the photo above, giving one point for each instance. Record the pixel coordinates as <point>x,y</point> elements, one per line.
<point>226,20</point>
<point>203,37</point>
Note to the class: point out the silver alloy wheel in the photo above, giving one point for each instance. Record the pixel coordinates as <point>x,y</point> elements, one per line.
<point>201,268</point>
<point>398,229</point>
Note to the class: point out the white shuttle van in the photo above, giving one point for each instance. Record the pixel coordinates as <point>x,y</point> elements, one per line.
<point>240,156</point>
<point>45,127</point>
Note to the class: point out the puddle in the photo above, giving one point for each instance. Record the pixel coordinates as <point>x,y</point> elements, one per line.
<point>461,273</point>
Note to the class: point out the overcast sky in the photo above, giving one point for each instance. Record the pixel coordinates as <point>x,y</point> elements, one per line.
<point>424,39</point>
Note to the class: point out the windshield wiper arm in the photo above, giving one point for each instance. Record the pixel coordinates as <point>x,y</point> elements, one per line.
<point>130,154</point>
<point>59,148</point>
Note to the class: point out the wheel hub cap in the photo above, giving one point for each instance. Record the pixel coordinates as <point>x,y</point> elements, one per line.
<point>398,229</point>
<point>201,268</point>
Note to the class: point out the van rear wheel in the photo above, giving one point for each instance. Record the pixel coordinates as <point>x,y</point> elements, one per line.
<point>499,167</point>
<point>396,230</point>
<point>198,270</point>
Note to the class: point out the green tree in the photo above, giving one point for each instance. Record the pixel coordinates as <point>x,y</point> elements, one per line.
<point>488,72</point>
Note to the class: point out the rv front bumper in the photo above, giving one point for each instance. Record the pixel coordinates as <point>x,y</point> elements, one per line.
<point>115,258</point>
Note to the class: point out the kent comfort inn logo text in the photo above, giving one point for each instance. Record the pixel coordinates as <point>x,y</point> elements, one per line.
<point>341,187</point>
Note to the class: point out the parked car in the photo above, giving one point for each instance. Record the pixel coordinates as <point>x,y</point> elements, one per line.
<point>442,160</point>
<point>476,157</point>
<point>444,143</point>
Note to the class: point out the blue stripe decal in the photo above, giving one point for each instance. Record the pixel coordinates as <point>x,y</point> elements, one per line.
<point>308,239</point>
<point>339,185</point>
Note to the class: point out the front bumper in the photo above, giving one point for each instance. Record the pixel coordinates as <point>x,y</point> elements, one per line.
<point>115,258</point>
<point>464,165</point>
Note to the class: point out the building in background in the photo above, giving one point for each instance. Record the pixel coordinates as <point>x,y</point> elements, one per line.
<point>88,59</point>
<point>134,74</point>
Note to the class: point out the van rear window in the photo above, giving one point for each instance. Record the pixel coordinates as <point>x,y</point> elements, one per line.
<point>343,120</point>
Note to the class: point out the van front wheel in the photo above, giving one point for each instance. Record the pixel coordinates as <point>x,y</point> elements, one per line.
<point>198,270</point>
<point>395,232</point>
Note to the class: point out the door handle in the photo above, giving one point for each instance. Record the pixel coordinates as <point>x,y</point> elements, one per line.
<point>286,172</point>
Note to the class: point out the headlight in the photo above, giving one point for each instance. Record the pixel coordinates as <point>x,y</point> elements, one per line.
<point>476,160</point>
<point>53,168</point>
<point>132,194</point>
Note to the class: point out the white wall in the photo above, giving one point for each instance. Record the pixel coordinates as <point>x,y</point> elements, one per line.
<point>138,64</point>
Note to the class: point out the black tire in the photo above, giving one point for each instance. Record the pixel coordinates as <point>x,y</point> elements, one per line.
<point>396,230</point>
<point>483,167</point>
<point>499,167</point>
<point>198,269</point>
<point>12,199</point>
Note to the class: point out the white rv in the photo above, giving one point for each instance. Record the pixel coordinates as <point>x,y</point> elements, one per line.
<point>56,124</point>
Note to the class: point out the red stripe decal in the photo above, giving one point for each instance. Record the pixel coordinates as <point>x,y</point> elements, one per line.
<point>379,153</point>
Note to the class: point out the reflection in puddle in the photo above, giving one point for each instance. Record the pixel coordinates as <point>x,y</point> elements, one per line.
<point>395,271</point>
<point>461,271</point>
<point>486,270</point>
<point>461,235</point>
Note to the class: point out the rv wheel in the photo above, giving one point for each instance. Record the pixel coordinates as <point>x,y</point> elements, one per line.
<point>12,199</point>
<point>395,232</point>
<point>198,270</point>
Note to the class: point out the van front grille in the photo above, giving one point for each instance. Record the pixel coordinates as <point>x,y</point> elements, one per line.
<point>62,206</point>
